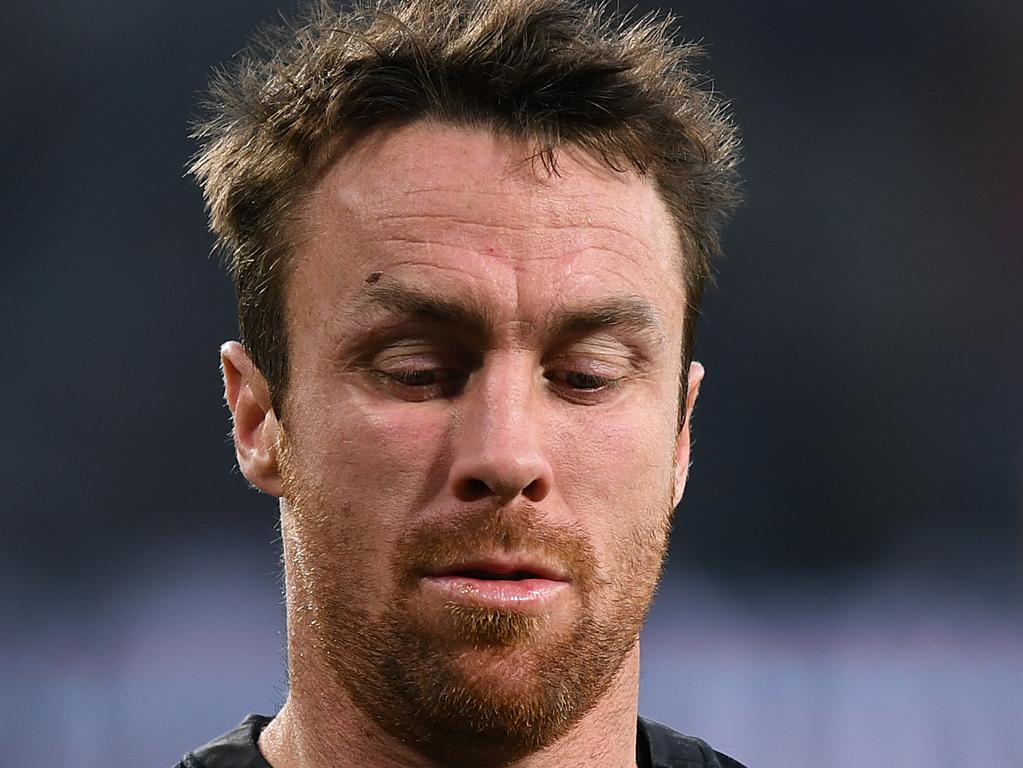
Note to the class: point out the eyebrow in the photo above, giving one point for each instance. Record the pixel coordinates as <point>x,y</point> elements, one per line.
<point>629,313</point>
<point>405,300</point>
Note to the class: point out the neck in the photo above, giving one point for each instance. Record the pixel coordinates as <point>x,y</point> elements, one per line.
<point>319,725</point>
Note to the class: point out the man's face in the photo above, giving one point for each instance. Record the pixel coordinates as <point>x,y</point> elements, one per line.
<point>480,449</point>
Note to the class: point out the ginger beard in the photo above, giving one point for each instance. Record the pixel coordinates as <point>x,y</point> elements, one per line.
<point>474,685</point>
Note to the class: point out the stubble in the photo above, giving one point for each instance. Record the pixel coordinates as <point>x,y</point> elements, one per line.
<point>496,685</point>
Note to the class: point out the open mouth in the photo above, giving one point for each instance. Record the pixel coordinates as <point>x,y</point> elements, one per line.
<point>476,573</point>
<point>500,569</point>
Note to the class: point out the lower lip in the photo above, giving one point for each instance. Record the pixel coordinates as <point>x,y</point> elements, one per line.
<point>496,593</point>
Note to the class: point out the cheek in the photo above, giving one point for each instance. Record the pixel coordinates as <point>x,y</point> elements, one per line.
<point>383,461</point>
<point>616,474</point>
<point>613,456</point>
<point>357,478</point>
<point>404,449</point>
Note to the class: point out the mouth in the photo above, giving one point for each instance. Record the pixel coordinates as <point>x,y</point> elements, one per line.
<point>500,569</point>
<point>484,575</point>
<point>497,583</point>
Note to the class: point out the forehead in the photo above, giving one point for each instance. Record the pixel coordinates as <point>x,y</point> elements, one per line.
<point>475,211</point>
<point>416,163</point>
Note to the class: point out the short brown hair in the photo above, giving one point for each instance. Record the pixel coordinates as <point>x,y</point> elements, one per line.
<point>554,72</point>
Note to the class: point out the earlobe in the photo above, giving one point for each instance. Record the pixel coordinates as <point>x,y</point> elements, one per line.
<point>683,443</point>
<point>256,429</point>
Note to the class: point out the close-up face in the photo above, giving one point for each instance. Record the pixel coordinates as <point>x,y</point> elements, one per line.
<point>480,444</point>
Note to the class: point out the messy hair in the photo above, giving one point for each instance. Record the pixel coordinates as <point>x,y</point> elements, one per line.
<point>556,73</point>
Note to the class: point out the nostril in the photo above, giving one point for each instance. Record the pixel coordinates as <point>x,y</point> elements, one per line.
<point>536,490</point>
<point>473,489</point>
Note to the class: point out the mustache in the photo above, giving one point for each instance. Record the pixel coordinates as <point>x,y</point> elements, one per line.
<point>520,530</point>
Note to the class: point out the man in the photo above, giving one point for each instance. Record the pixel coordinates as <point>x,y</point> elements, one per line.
<point>469,240</point>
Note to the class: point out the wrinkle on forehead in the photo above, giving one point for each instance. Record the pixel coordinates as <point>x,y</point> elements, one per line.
<point>425,162</point>
<point>436,197</point>
<point>402,221</point>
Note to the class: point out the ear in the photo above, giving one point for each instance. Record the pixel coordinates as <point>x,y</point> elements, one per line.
<point>256,429</point>
<point>682,445</point>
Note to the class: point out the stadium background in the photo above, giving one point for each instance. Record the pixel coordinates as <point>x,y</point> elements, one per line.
<point>846,577</point>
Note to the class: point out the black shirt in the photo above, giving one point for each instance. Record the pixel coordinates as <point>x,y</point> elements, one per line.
<point>657,746</point>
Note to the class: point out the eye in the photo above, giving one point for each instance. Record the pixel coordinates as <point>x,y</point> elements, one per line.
<point>418,369</point>
<point>589,371</point>
<point>423,377</point>
<point>417,384</point>
<point>579,380</point>
<point>583,387</point>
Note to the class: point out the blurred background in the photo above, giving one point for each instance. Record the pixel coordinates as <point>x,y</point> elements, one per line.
<point>845,582</point>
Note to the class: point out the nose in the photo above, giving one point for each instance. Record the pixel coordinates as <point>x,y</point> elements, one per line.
<point>499,441</point>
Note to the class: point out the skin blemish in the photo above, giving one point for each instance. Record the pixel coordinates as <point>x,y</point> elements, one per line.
<point>372,277</point>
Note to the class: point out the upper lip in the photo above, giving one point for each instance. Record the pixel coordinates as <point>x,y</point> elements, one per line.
<point>501,566</point>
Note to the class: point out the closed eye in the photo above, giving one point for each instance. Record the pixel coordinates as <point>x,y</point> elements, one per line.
<point>418,384</point>
<point>580,380</point>
<point>423,377</point>
<point>583,387</point>
<point>589,370</point>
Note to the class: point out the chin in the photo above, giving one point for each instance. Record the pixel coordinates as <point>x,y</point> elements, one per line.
<point>503,685</point>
